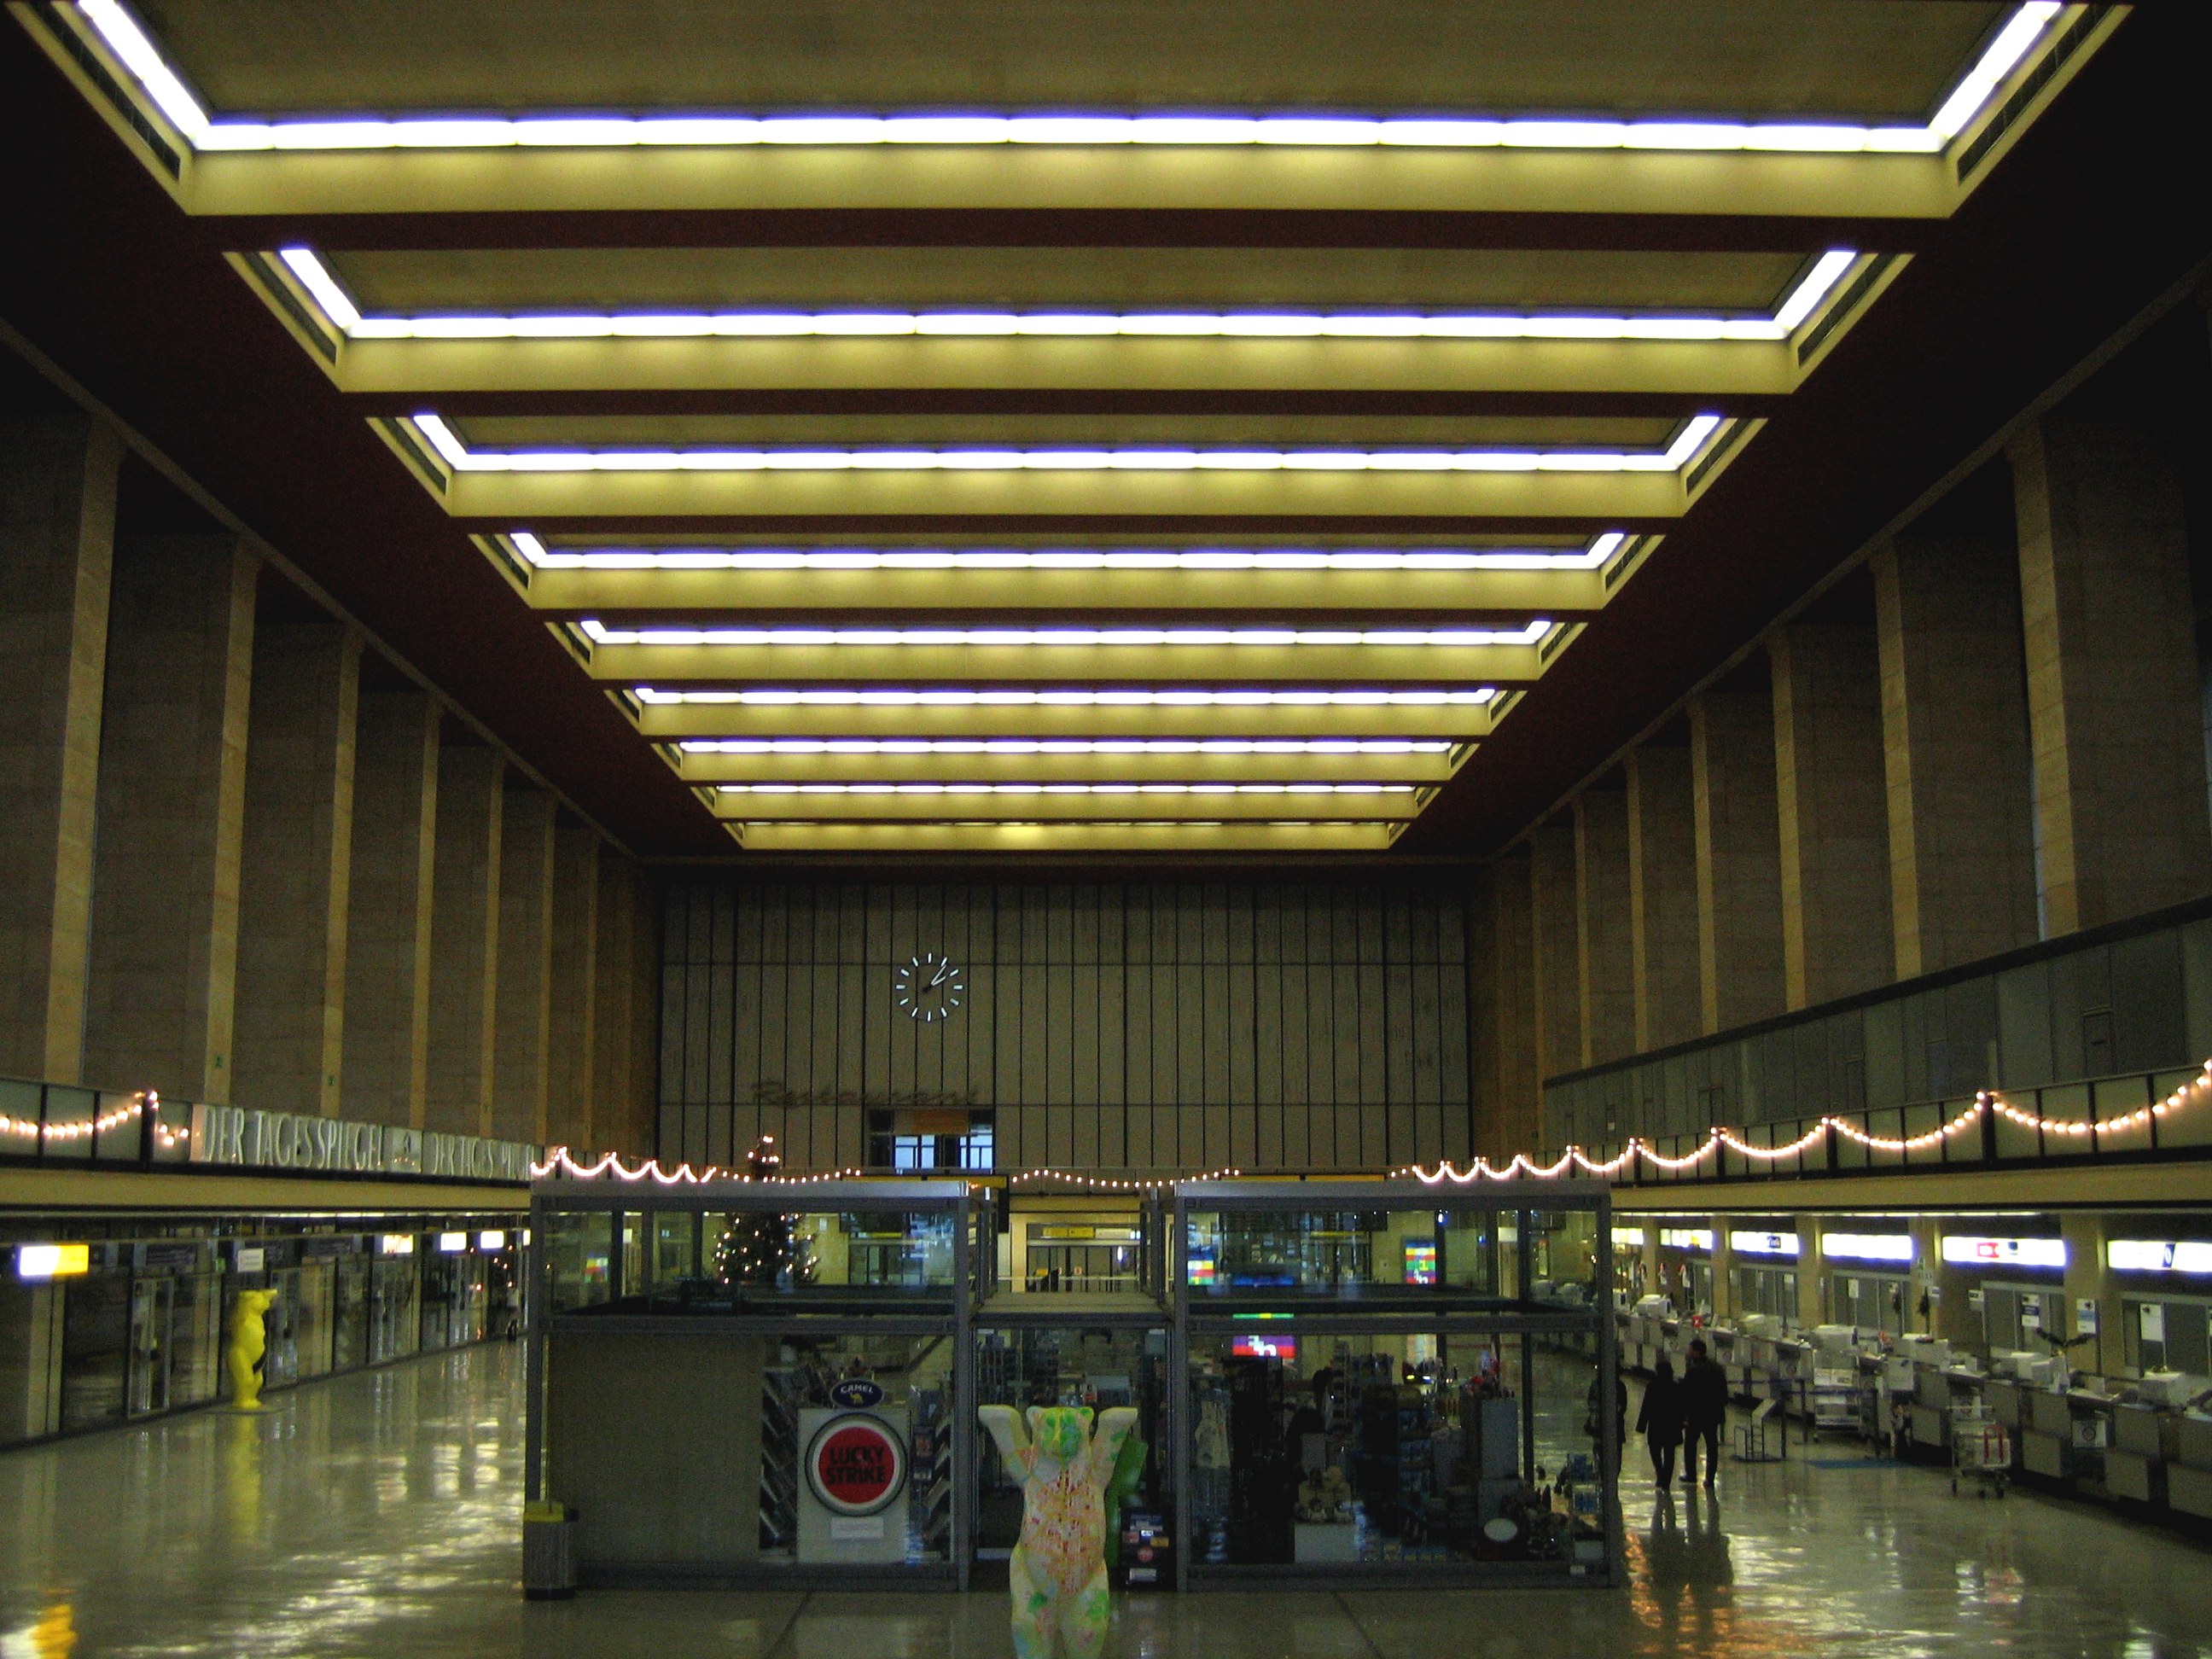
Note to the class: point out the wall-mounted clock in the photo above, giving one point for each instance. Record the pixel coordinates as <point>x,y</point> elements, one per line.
<point>929,987</point>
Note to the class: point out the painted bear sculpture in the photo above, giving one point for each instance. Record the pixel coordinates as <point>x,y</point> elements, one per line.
<point>1058,1573</point>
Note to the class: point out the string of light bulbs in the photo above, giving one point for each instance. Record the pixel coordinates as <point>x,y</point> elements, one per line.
<point>1986,1103</point>
<point>139,1104</point>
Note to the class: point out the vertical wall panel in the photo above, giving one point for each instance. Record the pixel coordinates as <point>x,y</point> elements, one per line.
<point>1291,1026</point>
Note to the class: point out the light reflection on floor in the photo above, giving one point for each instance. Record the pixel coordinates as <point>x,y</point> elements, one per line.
<point>377,1513</point>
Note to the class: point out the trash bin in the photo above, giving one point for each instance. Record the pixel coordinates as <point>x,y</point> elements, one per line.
<point>549,1551</point>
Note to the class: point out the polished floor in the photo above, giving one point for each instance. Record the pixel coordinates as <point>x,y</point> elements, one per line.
<point>377,1513</point>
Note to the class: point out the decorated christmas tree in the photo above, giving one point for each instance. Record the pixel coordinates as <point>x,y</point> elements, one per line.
<point>763,1249</point>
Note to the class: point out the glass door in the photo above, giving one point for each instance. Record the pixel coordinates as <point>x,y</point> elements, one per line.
<point>151,1301</point>
<point>317,1285</point>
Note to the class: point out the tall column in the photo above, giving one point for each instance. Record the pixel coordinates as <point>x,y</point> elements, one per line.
<point>525,981</point>
<point>571,1061</point>
<point>1833,811</point>
<point>58,476</point>
<point>1954,733</point>
<point>626,1108</point>
<point>1507,944</point>
<point>164,959</point>
<point>296,867</point>
<point>2089,1283</point>
<point>2115,711</point>
<point>1739,857</point>
<point>395,818</point>
<point>1811,1270</point>
<point>1663,894</point>
<point>465,940</point>
<point>1604,939</point>
<point>1555,967</point>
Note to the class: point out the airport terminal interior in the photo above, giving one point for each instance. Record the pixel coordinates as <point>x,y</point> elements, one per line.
<point>856,829</point>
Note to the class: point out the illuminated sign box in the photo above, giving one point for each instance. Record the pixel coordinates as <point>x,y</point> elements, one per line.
<point>1198,1270</point>
<point>2160,1255</point>
<point>1971,1250</point>
<point>1285,1348</point>
<point>453,1243</point>
<point>1745,1243</point>
<point>1867,1247</point>
<point>1420,1261</point>
<point>36,1261</point>
<point>493,1240</point>
<point>396,1244</point>
<point>1686,1238</point>
<point>1631,1237</point>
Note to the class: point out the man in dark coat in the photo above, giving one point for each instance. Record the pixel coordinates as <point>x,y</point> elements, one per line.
<point>1705,1408</point>
<point>1660,1421</point>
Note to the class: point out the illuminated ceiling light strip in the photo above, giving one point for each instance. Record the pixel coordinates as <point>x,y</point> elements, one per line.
<point>1057,696</point>
<point>1062,746</point>
<point>600,633</point>
<point>457,455</point>
<point>1039,788</point>
<point>2011,45</point>
<point>143,61</point>
<point>340,308</point>
<point>540,557</point>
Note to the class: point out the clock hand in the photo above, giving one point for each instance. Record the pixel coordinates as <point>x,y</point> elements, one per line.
<point>941,973</point>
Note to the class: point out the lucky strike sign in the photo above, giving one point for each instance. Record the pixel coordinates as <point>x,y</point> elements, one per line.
<point>856,1465</point>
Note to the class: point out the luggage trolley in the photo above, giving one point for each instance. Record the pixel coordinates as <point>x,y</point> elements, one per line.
<point>1981,1454</point>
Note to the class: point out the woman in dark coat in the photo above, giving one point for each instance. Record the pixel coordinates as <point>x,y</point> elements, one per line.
<point>1660,1422</point>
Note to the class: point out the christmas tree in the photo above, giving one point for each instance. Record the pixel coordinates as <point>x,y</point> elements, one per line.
<point>763,1249</point>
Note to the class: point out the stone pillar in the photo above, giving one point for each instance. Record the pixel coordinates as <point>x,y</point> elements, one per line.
<point>465,940</point>
<point>626,1106</point>
<point>395,817</point>
<point>2115,710</point>
<point>2089,1280</point>
<point>1739,857</point>
<point>525,981</point>
<point>58,476</point>
<point>571,1061</point>
<point>1555,969</point>
<point>1832,811</point>
<point>1724,1265</point>
<point>1509,1117</point>
<point>296,868</point>
<point>1954,733</point>
<point>1811,1270</point>
<point>164,958</point>
<point>1663,895</point>
<point>1604,926</point>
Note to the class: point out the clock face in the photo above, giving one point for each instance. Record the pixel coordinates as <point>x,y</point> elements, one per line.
<point>929,987</point>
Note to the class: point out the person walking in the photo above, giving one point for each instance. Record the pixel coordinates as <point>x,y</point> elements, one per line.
<point>1660,1420</point>
<point>1704,1409</point>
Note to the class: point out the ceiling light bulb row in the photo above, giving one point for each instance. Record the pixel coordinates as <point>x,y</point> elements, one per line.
<point>461,458</point>
<point>1068,789</point>
<point>1071,697</point>
<point>143,61</point>
<point>1063,746</point>
<point>1591,557</point>
<point>599,632</point>
<point>340,308</point>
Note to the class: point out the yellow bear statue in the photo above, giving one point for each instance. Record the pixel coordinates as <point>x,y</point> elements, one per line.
<point>249,1341</point>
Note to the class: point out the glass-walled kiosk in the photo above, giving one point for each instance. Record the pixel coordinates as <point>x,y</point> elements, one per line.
<point>1080,1320</point>
<point>744,1381</point>
<point>1385,1379</point>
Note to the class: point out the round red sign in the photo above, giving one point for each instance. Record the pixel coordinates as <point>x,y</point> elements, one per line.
<point>856,1465</point>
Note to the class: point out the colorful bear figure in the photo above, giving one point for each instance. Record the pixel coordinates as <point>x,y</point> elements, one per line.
<point>1058,1573</point>
<point>249,1343</point>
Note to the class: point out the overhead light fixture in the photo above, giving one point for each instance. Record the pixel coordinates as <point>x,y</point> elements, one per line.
<point>1046,638</point>
<point>1055,696</point>
<point>1272,325</point>
<point>462,459</point>
<point>143,61</point>
<point>1590,557</point>
<point>1033,789</point>
<point>1062,746</point>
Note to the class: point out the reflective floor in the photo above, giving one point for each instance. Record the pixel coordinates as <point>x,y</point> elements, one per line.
<point>378,1514</point>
